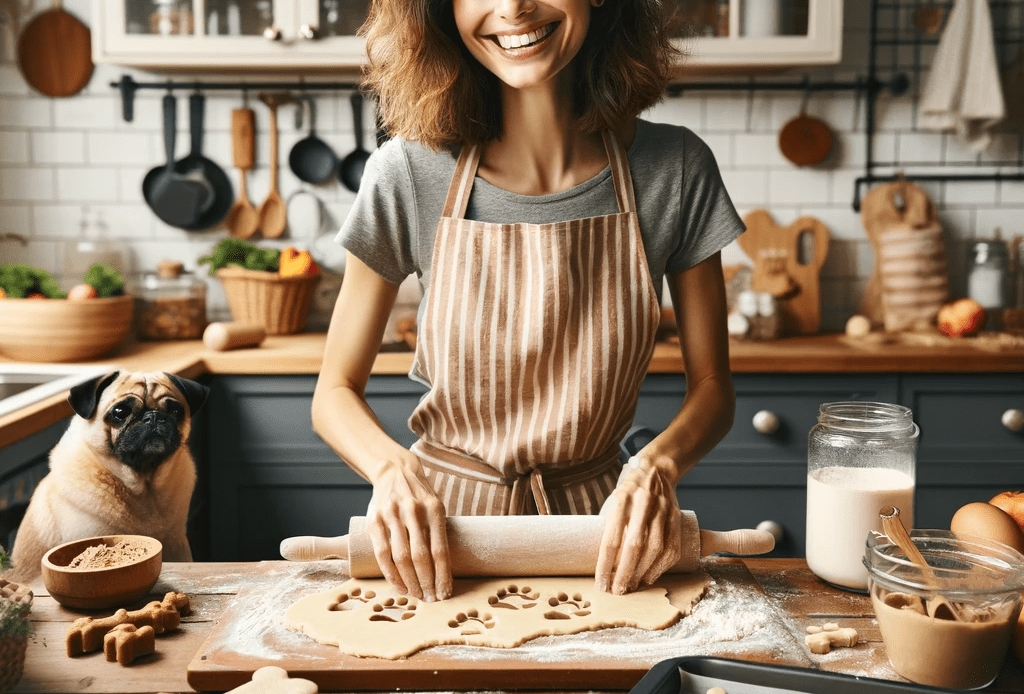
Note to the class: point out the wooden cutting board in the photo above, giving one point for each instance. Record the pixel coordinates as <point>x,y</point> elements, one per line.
<point>787,264</point>
<point>248,636</point>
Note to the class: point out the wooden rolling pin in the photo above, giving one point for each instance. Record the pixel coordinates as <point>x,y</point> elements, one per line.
<point>224,336</point>
<point>523,545</point>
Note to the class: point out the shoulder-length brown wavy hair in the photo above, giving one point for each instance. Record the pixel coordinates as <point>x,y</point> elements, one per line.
<point>432,90</point>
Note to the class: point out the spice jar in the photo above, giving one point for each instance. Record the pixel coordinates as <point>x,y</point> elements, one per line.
<point>171,304</point>
<point>861,456</point>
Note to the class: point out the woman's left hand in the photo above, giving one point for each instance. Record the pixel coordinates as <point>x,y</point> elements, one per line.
<point>642,529</point>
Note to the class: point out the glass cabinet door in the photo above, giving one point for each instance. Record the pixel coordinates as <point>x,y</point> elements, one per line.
<point>158,17</point>
<point>239,17</point>
<point>342,17</point>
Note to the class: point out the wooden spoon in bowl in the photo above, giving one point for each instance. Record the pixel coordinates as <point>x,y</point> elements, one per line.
<point>273,213</point>
<point>938,607</point>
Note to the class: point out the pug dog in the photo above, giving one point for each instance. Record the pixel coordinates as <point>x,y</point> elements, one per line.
<point>123,467</point>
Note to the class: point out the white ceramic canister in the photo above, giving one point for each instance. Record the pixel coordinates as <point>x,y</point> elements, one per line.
<point>861,457</point>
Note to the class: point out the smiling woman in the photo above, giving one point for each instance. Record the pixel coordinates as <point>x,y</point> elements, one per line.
<point>541,263</point>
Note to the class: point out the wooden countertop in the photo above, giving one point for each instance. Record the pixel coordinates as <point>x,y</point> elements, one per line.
<point>303,354</point>
<point>783,592</point>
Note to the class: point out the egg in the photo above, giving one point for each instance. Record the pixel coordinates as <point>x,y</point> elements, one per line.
<point>990,522</point>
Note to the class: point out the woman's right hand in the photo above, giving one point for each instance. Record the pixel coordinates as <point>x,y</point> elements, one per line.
<point>407,527</point>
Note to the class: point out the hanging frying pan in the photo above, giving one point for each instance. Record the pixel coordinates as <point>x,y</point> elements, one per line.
<point>195,165</point>
<point>55,52</point>
<point>805,140</point>
<point>176,199</point>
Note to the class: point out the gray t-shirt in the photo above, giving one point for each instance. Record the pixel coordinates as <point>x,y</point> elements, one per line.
<point>684,210</point>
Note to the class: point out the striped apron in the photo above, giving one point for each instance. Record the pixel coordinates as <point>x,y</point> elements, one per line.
<point>534,345</point>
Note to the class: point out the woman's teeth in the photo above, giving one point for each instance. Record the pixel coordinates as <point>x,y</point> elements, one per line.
<point>523,40</point>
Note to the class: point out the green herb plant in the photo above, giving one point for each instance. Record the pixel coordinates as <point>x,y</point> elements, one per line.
<point>104,279</point>
<point>242,254</point>
<point>13,613</point>
<point>19,281</point>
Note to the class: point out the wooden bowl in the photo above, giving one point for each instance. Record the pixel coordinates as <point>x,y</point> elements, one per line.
<point>50,330</point>
<point>93,589</point>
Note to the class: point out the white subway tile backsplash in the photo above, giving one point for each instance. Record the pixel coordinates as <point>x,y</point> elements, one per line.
<point>798,187</point>
<point>758,150</point>
<point>11,82</point>
<point>87,112</point>
<point>119,148</point>
<point>58,147</point>
<point>746,187</point>
<point>87,184</point>
<point>15,219</point>
<point>27,184</point>
<point>970,193</point>
<point>28,112</point>
<point>14,147</point>
<point>59,220</point>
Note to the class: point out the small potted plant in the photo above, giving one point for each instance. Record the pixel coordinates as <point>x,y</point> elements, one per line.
<point>15,603</point>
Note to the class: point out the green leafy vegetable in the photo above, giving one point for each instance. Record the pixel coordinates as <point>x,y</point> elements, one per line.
<point>104,279</point>
<point>19,281</point>
<point>243,254</point>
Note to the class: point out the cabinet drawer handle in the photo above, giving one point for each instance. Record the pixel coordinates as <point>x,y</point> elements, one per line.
<point>766,422</point>
<point>773,528</point>
<point>272,33</point>
<point>306,31</point>
<point>1013,419</point>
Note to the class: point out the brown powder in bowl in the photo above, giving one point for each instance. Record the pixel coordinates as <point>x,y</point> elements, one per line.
<point>104,557</point>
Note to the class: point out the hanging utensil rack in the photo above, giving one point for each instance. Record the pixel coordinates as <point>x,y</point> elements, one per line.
<point>898,46</point>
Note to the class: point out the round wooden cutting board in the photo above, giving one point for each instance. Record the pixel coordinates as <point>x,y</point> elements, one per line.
<point>55,52</point>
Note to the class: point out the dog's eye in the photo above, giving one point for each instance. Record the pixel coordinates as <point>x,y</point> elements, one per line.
<point>175,409</point>
<point>121,412</point>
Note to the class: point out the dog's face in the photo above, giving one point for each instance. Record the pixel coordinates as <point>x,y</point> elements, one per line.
<point>140,419</point>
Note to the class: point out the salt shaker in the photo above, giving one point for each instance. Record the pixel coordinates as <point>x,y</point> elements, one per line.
<point>861,456</point>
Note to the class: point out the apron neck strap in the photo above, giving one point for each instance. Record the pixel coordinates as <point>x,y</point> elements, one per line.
<point>469,159</point>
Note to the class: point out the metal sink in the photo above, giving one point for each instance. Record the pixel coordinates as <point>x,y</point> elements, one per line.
<point>23,383</point>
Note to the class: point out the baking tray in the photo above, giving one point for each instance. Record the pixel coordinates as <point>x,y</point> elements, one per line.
<point>698,674</point>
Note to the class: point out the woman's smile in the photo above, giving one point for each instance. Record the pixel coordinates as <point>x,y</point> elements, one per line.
<point>517,44</point>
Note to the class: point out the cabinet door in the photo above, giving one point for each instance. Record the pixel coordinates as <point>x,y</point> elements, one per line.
<point>271,476</point>
<point>229,33</point>
<point>760,33</point>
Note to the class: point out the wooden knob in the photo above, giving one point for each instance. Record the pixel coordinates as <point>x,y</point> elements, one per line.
<point>1013,419</point>
<point>766,422</point>
<point>772,528</point>
<point>272,33</point>
<point>307,32</point>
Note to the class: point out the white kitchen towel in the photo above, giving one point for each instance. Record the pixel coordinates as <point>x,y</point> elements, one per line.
<point>963,90</point>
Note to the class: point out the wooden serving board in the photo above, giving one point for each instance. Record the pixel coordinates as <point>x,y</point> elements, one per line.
<point>248,636</point>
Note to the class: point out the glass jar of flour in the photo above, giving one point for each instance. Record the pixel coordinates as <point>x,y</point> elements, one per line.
<point>861,456</point>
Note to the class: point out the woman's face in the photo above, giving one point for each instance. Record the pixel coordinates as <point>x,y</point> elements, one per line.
<point>524,43</point>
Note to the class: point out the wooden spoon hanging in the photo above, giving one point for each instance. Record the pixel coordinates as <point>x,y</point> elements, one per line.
<point>243,219</point>
<point>55,52</point>
<point>273,212</point>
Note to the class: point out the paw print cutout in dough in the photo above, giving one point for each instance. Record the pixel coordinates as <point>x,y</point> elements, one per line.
<point>468,621</point>
<point>504,596</point>
<point>274,680</point>
<point>577,606</point>
<point>355,600</point>
<point>393,610</point>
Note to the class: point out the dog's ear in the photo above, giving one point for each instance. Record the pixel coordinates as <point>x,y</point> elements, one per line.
<point>195,393</point>
<point>86,396</point>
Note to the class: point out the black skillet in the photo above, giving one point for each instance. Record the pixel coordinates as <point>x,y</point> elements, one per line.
<point>176,199</point>
<point>312,160</point>
<point>196,164</point>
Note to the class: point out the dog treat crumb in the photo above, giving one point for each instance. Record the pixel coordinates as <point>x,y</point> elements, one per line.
<point>830,637</point>
<point>104,557</point>
<point>814,629</point>
<point>716,690</point>
<point>125,642</point>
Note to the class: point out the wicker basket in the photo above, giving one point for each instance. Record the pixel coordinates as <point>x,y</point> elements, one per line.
<point>279,304</point>
<point>12,648</point>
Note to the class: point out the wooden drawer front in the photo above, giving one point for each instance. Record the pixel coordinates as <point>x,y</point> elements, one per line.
<point>729,508</point>
<point>793,398</point>
<point>961,422</point>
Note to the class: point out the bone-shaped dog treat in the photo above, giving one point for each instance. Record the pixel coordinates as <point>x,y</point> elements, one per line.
<point>274,680</point>
<point>823,639</point>
<point>86,634</point>
<point>125,642</point>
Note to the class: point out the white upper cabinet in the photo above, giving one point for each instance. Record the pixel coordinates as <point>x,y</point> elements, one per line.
<point>288,35</point>
<point>760,34</point>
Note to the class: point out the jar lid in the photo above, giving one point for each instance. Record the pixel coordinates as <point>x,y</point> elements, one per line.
<point>181,284</point>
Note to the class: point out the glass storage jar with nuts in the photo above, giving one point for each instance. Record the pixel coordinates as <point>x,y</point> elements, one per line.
<point>171,304</point>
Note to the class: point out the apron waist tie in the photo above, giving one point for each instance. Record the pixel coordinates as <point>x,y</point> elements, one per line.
<point>523,486</point>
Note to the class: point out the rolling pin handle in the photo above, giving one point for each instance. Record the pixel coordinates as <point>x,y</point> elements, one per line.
<point>310,548</point>
<point>742,542</point>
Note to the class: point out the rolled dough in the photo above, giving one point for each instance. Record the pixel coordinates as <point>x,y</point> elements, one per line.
<point>366,618</point>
